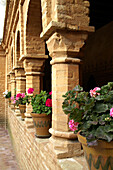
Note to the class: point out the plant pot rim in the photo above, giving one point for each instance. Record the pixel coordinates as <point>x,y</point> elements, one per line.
<point>101,143</point>
<point>39,115</point>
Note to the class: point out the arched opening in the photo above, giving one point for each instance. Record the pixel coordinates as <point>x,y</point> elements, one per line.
<point>35,46</point>
<point>47,72</point>
<point>98,51</point>
<point>18,63</point>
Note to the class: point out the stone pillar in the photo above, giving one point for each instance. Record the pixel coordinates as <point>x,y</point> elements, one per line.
<point>13,86</point>
<point>64,48</point>
<point>12,82</point>
<point>20,80</point>
<point>34,75</point>
<point>8,83</point>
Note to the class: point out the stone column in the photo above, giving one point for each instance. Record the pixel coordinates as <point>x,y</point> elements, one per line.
<point>13,82</point>
<point>8,83</point>
<point>20,80</point>
<point>64,48</point>
<point>34,74</point>
<point>13,86</point>
<point>20,84</point>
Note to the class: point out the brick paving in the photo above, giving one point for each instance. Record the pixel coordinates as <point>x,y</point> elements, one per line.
<point>7,157</point>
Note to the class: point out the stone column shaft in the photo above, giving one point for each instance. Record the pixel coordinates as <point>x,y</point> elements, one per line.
<point>20,80</point>
<point>13,83</point>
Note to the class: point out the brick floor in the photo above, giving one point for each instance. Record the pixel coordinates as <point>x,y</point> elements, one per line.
<point>7,157</point>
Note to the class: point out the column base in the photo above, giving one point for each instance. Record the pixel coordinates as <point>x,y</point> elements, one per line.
<point>65,144</point>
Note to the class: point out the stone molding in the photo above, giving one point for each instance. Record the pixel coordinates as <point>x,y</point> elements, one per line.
<point>34,73</point>
<point>33,56</point>
<point>65,60</point>
<point>67,135</point>
<point>20,78</point>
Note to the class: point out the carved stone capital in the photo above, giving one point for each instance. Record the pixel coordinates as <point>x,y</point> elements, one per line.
<point>66,44</point>
<point>19,72</point>
<point>12,75</point>
<point>33,65</point>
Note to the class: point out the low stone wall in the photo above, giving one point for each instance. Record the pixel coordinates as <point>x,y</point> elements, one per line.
<point>35,153</point>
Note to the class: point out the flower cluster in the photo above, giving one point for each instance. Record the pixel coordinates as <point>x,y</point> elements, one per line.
<point>73,125</point>
<point>94,93</point>
<point>7,94</point>
<point>22,98</point>
<point>91,111</point>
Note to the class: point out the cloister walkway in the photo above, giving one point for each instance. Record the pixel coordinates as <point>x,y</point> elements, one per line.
<point>7,157</point>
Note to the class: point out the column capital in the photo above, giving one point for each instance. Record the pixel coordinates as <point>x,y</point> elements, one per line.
<point>66,44</point>
<point>19,72</point>
<point>33,65</point>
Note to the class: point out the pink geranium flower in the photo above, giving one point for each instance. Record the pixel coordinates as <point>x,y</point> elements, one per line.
<point>17,98</point>
<point>73,125</point>
<point>23,95</point>
<point>93,92</point>
<point>12,98</point>
<point>50,93</point>
<point>111,112</point>
<point>14,101</point>
<point>49,102</point>
<point>30,90</point>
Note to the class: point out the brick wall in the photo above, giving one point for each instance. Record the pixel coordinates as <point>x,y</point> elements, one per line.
<point>2,87</point>
<point>36,153</point>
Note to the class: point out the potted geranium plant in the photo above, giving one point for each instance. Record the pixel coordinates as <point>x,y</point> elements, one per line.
<point>41,114</point>
<point>7,95</point>
<point>91,115</point>
<point>21,99</point>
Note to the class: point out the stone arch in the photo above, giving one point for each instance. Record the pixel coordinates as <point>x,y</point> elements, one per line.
<point>34,45</point>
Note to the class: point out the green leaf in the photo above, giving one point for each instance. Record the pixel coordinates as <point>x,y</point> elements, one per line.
<point>100,107</point>
<point>78,88</point>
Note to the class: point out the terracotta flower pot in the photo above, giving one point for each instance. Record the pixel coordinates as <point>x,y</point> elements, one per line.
<point>98,157</point>
<point>42,123</point>
<point>22,111</point>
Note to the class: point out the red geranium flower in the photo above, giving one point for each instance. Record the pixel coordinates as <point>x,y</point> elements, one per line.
<point>49,102</point>
<point>30,90</point>
<point>19,95</point>
<point>50,93</point>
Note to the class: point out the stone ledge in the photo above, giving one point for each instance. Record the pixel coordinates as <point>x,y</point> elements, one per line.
<point>73,163</point>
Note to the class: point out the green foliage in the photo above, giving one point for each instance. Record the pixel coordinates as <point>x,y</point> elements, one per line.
<point>92,113</point>
<point>38,103</point>
<point>7,94</point>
